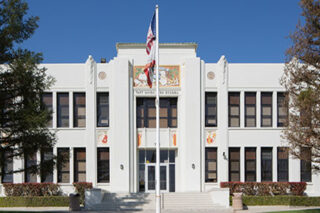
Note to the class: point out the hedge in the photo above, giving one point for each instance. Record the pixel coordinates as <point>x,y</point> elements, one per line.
<point>36,201</point>
<point>280,201</point>
<point>32,189</point>
<point>266,188</point>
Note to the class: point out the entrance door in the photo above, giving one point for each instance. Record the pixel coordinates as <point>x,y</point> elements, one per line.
<point>151,178</point>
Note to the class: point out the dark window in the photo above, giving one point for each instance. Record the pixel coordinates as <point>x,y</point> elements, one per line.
<point>305,163</point>
<point>103,165</point>
<point>79,110</point>
<point>47,103</point>
<point>234,164</point>
<point>63,166</point>
<point>46,159</point>
<point>234,109</point>
<point>7,169</point>
<point>266,109</point>
<point>283,166</point>
<point>79,165</point>
<point>211,109</point>
<point>146,113</point>
<point>102,109</point>
<point>266,164</point>
<point>62,110</point>
<point>250,109</point>
<point>30,161</point>
<point>250,164</point>
<point>282,112</point>
<point>211,165</point>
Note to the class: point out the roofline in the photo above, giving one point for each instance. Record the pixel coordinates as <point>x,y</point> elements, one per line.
<point>186,45</point>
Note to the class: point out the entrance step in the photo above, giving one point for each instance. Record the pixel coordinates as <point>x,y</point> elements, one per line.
<point>146,201</point>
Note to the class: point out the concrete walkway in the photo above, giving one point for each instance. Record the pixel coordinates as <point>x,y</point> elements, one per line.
<point>251,209</point>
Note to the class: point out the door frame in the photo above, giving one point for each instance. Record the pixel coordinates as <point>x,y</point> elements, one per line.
<point>146,177</point>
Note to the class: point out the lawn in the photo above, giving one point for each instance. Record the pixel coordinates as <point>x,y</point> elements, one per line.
<point>300,211</point>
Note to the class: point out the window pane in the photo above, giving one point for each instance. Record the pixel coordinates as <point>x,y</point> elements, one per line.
<point>282,111</point>
<point>79,165</point>
<point>79,110</point>
<point>102,109</point>
<point>250,164</point>
<point>30,161</point>
<point>7,169</point>
<point>103,165</point>
<point>250,109</point>
<point>47,103</point>
<point>47,155</point>
<point>62,110</point>
<point>266,164</point>
<point>234,122</point>
<point>305,165</point>
<point>211,165</point>
<point>63,167</point>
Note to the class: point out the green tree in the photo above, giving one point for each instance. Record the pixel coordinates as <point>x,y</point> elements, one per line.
<point>23,119</point>
<point>302,81</point>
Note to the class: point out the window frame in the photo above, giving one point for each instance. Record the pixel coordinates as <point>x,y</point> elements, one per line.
<point>49,107</point>
<point>234,105</point>
<point>60,167</point>
<point>76,117</point>
<point>43,153</point>
<point>207,171</point>
<point>250,105</point>
<point>99,109</point>
<point>262,116</point>
<point>281,95</point>
<point>306,166</point>
<point>215,115</point>
<point>103,162</point>
<point>265,168</point>
<point>28,176</point>
<point>7,162</point>
<point>279,163</point>
<point>248,160</point>
<point>76,171</point>
<point>238,149</point>
<point>59,109</point>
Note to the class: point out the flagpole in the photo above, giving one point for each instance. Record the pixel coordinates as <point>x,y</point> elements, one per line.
<point>158,200</point>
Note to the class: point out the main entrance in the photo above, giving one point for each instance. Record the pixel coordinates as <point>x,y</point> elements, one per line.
<point>147,170</point>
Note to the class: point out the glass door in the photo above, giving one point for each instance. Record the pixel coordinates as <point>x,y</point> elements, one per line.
<point>151,178</point>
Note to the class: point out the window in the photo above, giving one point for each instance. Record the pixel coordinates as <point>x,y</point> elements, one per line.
<point>234,109</point>
<point>211,109</point>
<point>250,165</point>
<point>266,109</point>
<point>146,113</point>
<point>211,165</point>
<point>7,169</point>
<point>283,171</point>
<point>102,109</point>
<point>63,110</point>
<point>266,164</point>
<point>234,164</point>
<point>79,165</point>
<point>282,115</point>
<point>250,109</point>
<point>30,161</point>
<point>79,110</point>
<point>305,173</point>
<point>103,165</point>
<point>47,103</point>
<point>46,158</point>
<point>63,165</point>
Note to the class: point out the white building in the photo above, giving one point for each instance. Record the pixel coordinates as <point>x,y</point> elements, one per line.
<point>220,122</point>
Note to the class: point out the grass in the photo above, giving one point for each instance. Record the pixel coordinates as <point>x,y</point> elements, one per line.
<point>300,211</point>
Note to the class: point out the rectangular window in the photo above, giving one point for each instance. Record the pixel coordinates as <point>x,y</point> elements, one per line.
<point>103,165</point>
<point>250,109</point>
<point>7,169</point>
<point>234,109</point>
<point>102,109</point>
<point>266,109</point>
<point>146,113</point>
<point>63,166</point>
<point>234,164</point>
<point>79,110</point>
<point>266,164</point>
<point>62,110</point>
<point>250,164</point>
<point>282,112</point>
<point>47,103</point>
<point>211,165</point>
<point>30,161</point>
<point>283,164</point>
<point>46,158</point>
<point>79,165</point>
<point>211,109</point>
<point>305,165</point>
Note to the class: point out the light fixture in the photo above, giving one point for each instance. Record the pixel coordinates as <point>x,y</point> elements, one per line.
<point>121,166</point>
<point>193,166</point>
<point>224,155</point>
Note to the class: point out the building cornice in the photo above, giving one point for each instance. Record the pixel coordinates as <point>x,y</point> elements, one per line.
<point>188,45</point>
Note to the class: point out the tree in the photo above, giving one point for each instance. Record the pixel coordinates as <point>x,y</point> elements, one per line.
<point>302,82</point>
<point>23,118</point>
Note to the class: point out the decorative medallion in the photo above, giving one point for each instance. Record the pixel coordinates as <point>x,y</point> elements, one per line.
<point>102,137</point>
<point>210,75</point>
<point>211,137</point>
<point>139,139</point>
<point>174,139</point>
<point>102,75</point>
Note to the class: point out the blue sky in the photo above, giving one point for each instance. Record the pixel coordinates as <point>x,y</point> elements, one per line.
<point>246,31</point>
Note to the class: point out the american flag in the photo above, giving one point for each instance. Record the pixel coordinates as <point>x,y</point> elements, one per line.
<point>151,50</point>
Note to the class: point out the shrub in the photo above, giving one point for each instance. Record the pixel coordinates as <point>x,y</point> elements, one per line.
<point>80,188</point>
<point>34,201</point>
<point>266,188</point>
<point>32,189</point>
<point>281,200</point>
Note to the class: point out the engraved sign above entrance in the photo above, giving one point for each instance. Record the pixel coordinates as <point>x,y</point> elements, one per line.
<point>169,76</point>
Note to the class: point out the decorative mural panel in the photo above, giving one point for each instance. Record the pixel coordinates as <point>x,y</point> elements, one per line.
<point>211,137</point>
<point>102,137</point>
<point>169,76</point>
